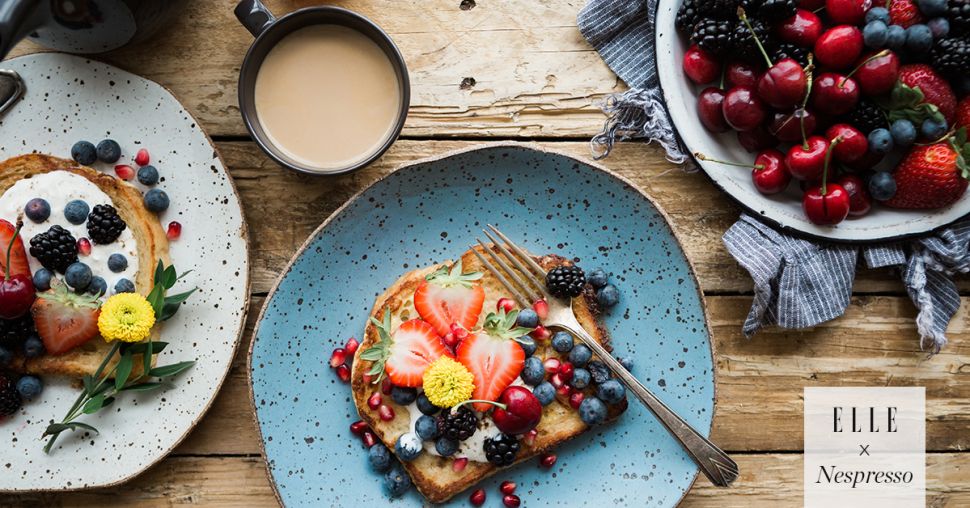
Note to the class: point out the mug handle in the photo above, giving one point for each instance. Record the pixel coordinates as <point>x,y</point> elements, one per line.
<point>254,16</point>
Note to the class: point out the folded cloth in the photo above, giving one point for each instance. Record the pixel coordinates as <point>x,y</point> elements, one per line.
<point>798,283</point>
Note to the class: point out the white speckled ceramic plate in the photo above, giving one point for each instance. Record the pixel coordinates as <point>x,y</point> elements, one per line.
<point>70,98</point>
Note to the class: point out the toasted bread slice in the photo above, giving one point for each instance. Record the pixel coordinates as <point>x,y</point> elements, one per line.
<point>146,229</point>
<point>432,475</point>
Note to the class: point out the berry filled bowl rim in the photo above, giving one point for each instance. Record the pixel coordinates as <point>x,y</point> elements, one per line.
<point>783,210</point>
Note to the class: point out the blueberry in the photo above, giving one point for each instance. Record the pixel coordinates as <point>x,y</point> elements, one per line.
<point>408,446</point>
<point>156,200</point>
<point>580,355</point>
<point>34,347</point>
<point>403,395</point>
<point>627,363</point>
<point>597,278</point>
<point>608,296</point>
<point>598,371</point>
<point>932,8</point>
<point>117,263</point>
<point>528,345</point>
<point>877,13</point>
<point>6,356</point>
<point>880,141</point>
<point>98,286</point>
<point>78,276</point>
<point>37,210</point>
<point>445,446</point>
<point>425,405</point>
<point>148,175</point>
<point>940,27</point>
<point>42,279</point>
<point>545,392</point>
<point>76,212</point>
<point>580,380</point>
<point>109,151</point>
<point>903,132</point>
<point>875,34</point>
<point>84,153</point>
<point>895,37</point>
<point>611,391</point>
<point>592,411</point>
<point>124,286</point>
<point>527,318</point>
<point>396,481</point>
<point>533,371</point>
<point>30,387</point>
<point>562,342</point>
<point>882,186</point>
<point>426,427</point>
<point>919,38</point>
<point>379,457</point>
<point>933,129</point>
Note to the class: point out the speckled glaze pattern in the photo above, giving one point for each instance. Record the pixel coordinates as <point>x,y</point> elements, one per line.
<point>432,211</point>
<point>70,98</point>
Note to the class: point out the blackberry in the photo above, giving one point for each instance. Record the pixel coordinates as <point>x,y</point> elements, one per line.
<point>458,424</point>
<point>13,332</point>
<point>866,117</point>
<point>688,15</point>
<point>55,248</point>
<point>714,36</point>
<point>10,400</point>
<point>788,50</point>
<point>565,281</point>
<point>501,449</point>
<point>104,224</point>
<point>958,13</point>
<point>743,43</point>
<point>951,56</point>
<point>770,10</point>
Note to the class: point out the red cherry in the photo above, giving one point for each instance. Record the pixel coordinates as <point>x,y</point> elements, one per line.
<point>142,158</point>
<point>518,411</point>
<point>507,487</point>
<point>757,139</point>
<point>741,74</point>
<point>743,109</point>
<point>839,47</point>
<point>853,146</point>
<point>849,12</point>
<point>788,126</point>
<point>16,291</point>
<point>811,5</point>
<point>834,94</point>
<point>783,85</point>
<point>878,73</point>
<point>807,163</point>
<point>710,109</point>
<point>770,175</point>
<point>700,66</point>
<point>802,29</point>
<point>826,209</point>
<point>477,498</point>
<point>859,201</point>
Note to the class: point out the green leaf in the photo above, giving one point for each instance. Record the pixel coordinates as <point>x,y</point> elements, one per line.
<point>168,311</point>
<point>55,428</point>
<point>145,387</point>
<point>183,274</point>
<point>171,370</point>
<point>123,370</point>
<point>157,299</point>
<point>94,404</point>
<point>89,383</point>
<point>373,354</point>
<point>151,348</point>
<point>179,298</point>
<point>79,425</point>
<point>169,277</point>
<point>140,347</point>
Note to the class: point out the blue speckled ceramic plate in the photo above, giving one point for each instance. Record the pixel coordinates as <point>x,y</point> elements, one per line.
<point>431,211</point>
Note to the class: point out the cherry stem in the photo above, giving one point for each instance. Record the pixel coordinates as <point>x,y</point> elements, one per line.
<point>828,160</point>
<point>880,54</point>
<point>744,19</point>
<point>16,233</point>
<point>809,70</point>
<point>472,401</point>
<point>703,157</point>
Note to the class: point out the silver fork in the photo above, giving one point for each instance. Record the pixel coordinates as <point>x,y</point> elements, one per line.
<point>716,465</point>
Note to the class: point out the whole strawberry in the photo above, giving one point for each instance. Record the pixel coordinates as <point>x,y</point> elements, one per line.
<point>936,90</point>
<point>904,13</point>
<point>931,176</point>
<point>963,113</point>
<point>9,397</point>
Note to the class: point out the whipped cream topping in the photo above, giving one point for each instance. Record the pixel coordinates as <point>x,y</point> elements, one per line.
<point>59,188</point>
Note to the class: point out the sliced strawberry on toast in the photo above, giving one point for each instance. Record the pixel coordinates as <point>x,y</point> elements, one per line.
<point>18,255</point>
<point>65,320</point>
<point>450,296</point>
<point>405,353</point>
<point>493,356</point>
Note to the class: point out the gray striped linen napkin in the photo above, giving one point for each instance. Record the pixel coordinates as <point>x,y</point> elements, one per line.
<point>797,283</point>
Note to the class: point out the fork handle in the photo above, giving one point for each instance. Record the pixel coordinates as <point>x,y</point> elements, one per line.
<point>719,468</point>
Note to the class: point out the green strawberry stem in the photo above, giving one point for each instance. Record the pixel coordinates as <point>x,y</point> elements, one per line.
<point>744,19</point>
<point>880,54</point>
<point>809,70</point>
<point>16,233</point>
<point>473,401</point>
<point>828,160</point>
<point>703,157</point>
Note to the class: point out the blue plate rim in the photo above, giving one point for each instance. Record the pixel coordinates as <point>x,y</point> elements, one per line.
<point>436,158</point>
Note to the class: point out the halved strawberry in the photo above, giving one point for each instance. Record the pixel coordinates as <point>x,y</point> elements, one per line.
<point>493,356</point>
<point>18,255</point>
<point>65,320</point>
<point>447,297</point>
<point>406,353</point>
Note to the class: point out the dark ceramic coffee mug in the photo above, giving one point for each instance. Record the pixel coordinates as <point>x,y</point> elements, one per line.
<point>269,30</point>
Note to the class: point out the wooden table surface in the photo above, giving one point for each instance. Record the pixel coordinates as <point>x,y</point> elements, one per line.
<point>521,71</point>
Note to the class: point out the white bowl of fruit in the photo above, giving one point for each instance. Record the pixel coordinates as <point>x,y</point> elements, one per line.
<point>848,117</point>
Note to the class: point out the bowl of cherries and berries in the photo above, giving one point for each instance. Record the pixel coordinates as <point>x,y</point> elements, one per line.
<point>839,109</point>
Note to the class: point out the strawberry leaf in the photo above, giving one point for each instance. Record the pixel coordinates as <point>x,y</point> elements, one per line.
<point>379,352</point>
<point>454,276</point>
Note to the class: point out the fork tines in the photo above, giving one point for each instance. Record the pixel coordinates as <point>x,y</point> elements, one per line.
<point>526,291</point>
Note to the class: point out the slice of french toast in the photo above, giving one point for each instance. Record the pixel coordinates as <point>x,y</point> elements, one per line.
<point>434,476</point>
<point>152,246</point>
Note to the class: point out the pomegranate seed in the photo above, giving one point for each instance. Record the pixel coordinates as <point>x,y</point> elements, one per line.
<point>343,372</point>
<point>386,412</point>
<point>547,460</point>
<point>542,309</point>
<point>375,400</point>
<point>367,378</point>
<point>455,327</point>
<point>351,346</point>
<point>563,393</point>
<point>551,365</point>
<point>369,439</point>
<point>337,358</point>
<point>530,437</point>
<point>84,246</point>
<point>576,399</point>
<point>556,380</point>
<point>174,231</point>
<point>506,304</point>
<point>450,340</point>
<point>124,171</point>
<point>511,500</point>
<point>142,158</point>
<point>461,334</point>
<point>541,333</point>
<point>458,465</point>
<point>386,386</point>
<point>359,427</point>
<point>507,487</point>
<point>566,371</point>
<point>478,497</point>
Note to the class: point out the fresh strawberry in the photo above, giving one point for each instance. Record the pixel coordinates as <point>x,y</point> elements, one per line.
<point>932,176</point>
<point>405,353</point>
<point>493,356</point>
<point>65,320</point>
<point>447,297</point>
<point>18,255</point>
<point>904,13</point>
<point>936,90</point>
<point>963,113</point>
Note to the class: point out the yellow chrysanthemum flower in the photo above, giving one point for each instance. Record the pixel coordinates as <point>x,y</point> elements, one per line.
<point>127,317</point>
<point>448,383</point>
